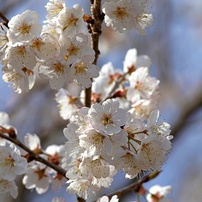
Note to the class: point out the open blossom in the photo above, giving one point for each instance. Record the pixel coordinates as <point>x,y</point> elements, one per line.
<point>53,8</point>
<point>107,117</point>
<point>24,27</point>
<point>70,20</point>
<point>20,56</point>
<point>82,71</point>
<point>127,14</point>
<point>57,70</point>
<point>75,48</point>
<point>102,85</point>
<point>142,84</point>
<point>45,46</point>
<point>7,186</point>
<point>20,81</point>
<point>36,176</point>
<point>67,103</point>
<point>33,142</point>
<point>11,162</point>
<point>158,193</point>
<point>106,199</point>
<point>132,61</point>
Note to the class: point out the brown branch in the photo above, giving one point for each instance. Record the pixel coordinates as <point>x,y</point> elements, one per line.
<point>135,187</point>
<point>3,17</point>
<point>95,32</point>
<point>34,155</point>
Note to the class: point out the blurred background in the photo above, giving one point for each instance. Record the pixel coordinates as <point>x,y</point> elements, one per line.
<point>174,44</point>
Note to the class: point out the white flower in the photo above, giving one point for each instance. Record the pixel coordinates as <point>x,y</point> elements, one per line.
<point>106,199</point>
<point>55,154</point>
<point>119,15</point>
<point>75,48</point>
<point>152,153</point>
<point>159,129</point>
<point>67,103</point>
<point>24,27</point>
<point>82,71</point>
<point>103,85</point>
<point>70,20</point>
<point>132,61</point>
<point>98,167</point>
<point>8,186</point>
<point>158,193</point>
<point>20,56</point>
<point>53,8</point>
<point>21,82</point>
<point>129,163</point>
<point>81,187</point>
<point>33,142</point>
<point>127,14</point>
<point>11,162</point>
<point>142,84</point>
<point>4,122</point>
<point>45,46</point>
<point>107,117</point>
<point>36,176</point>
<point>57,71</point>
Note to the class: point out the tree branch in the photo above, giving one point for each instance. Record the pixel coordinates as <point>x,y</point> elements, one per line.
<point>96,30</point>
<point>135,186</point>
<point>34,156</point>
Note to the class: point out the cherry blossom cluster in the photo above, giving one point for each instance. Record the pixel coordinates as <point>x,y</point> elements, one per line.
<point>38,175</point>
<point>127,14</point>
<point>14,162</point>
<point>119,131</point>
<point>59,50</point>
<point>106,138</point>
<point>134,87</point>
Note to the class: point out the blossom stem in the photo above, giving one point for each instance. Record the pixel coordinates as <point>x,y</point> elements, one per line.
<point>35,156</point>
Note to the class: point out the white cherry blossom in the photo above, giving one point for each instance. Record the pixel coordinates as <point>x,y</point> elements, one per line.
<point>132,61</point>
<point>107,117</point>
<point>36,176</point>
<point>142,84</point>
<point>70,20</point>
<point>82,71</point>
<point>21,82</point>
<point>24,27</point>
<point>57,71</point>
<point>20,56</point>
<point>10,187</point>
<point>127,14</point>
<point>53,8</point>
<point>11,162</point>
<point>158,193</point>
<point>67,104</point>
